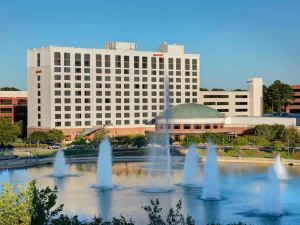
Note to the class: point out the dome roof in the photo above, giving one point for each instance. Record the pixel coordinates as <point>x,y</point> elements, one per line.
<point>192,111</point>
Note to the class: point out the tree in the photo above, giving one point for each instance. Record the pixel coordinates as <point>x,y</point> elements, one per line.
<point>238,89</point>
<point>277,96</point>
<point>14,206</point>
<point>55,136</point>
<point>43,204</point>
<point>203,89</point>
<point>38,137</point>
<point>138,140</point>
<point>8,131</point>
<point>9,89</point>
<point>218,89</point>
<point>241,141</point>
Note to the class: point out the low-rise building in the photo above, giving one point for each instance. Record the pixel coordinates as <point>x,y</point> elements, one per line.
<point>295,105</point>
<point>236,103</point>
<point>198,119</point>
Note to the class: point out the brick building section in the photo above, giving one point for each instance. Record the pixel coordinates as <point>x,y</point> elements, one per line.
<point>295,107</point>
<point>13,105</point>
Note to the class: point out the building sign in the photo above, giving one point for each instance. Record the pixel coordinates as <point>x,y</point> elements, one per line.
<point>157,54</point>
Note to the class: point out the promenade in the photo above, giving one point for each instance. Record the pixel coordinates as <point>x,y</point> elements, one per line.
<point>25,163</point>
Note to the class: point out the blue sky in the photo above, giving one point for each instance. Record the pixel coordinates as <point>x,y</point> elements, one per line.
<point>237,39</point>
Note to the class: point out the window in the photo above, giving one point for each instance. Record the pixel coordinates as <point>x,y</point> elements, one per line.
<point>136,62</point>
<point>38,60</point>
<point>222,103</point>
<point>118,61</point>
<point>241,110</point>
<point>187,65</point>
<point>178,64</point>
<point>57,58</point>
<point>186,126</point>
<point>176,126</point>
<point>107,60</point>
<point>161,64</point>
<point>171,64</point>
<point>5,110</point>
<point>77,59</point>
<point>126,61</point>
<point>87,58</point>
<point>67,59</point>
<point>207,126</point>
<point>144,62</point>
<point>194,64</point>
<point>216,96</point>
<point>241,96</point>
<point>197,126</point>
<point>209,103</point>
<point>98,60</point>
<point>241,103</point>
<point>153,62</point>
<point>223,110</point>
<point>5,102</point>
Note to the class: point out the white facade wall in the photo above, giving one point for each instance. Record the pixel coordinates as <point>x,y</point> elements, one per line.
<point>61,96</point>
<point>252,121</point>
<point>236,103</point>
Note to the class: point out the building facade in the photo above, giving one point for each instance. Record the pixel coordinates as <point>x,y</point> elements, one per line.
<point>75,89</point>
<point>295,106</point>
<point>13,105</point>
<point>236,103</point>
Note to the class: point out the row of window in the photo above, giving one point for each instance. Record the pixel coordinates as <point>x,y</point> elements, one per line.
<point>237,110</point>
<point>224,96</point>
<point>191,126</point>
<point>122,61</point>
<point>225,103</point>
<point>5,110</point>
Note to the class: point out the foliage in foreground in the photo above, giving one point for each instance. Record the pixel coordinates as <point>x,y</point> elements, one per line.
<point>33,206</point>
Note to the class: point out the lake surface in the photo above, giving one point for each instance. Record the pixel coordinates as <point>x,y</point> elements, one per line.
<point>241,186</point>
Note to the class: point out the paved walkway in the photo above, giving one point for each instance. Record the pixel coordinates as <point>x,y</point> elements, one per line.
<point>24,163</point>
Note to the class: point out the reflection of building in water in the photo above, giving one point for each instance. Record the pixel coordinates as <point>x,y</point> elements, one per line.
<point>120,169</point>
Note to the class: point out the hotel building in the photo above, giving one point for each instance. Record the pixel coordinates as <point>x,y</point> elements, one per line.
<point>236,103</point>
<point>295,105</point>
<point>79,90</point>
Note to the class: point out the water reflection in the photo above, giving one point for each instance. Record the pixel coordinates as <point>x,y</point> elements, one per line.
<point>211,212</point>
<point>191,203</point>
<point>104,198</point>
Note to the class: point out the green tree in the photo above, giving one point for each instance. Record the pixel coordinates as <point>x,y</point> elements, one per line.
<point>9,89</point>
<point>138,140</point>
<point>8,131</point>
<point>55,136</point>
<point>38,137</point>
<point>277,96</point>
<point>241,141</point>
<point>204,89</point>
<point>43,204</point>
<point>14,206</point>
<point>218,89</point>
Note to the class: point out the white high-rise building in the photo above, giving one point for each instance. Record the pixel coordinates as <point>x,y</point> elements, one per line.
<point>80,89</point>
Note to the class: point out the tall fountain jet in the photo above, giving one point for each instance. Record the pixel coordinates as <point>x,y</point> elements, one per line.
<point>271,204</point>
<point>60,167</point>
<point>191,168</point>
<point>279,169</point>
<point>211,186</point>
<point>104,166</point>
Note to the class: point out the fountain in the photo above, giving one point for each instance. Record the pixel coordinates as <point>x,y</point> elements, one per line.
<point>160,156</point>
<point>191,168</point>
<point>279,169</point>
<point>104,166</point>
<point>211,189</point>
<point>271,204</point>
<point>60,167</point>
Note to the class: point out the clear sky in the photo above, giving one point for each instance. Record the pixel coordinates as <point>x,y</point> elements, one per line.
<point>237,39</point>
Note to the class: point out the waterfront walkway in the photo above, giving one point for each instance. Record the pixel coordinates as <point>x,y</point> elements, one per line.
<point>24,163</point>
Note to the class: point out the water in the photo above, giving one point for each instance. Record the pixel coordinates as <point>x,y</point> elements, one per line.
<point>191,168</point>
<point>60,167</point>
<point>211,186</point>
<point>240,190</point>
<point>104,164</point>
<point>279,169</point>
<point>271,204</point>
